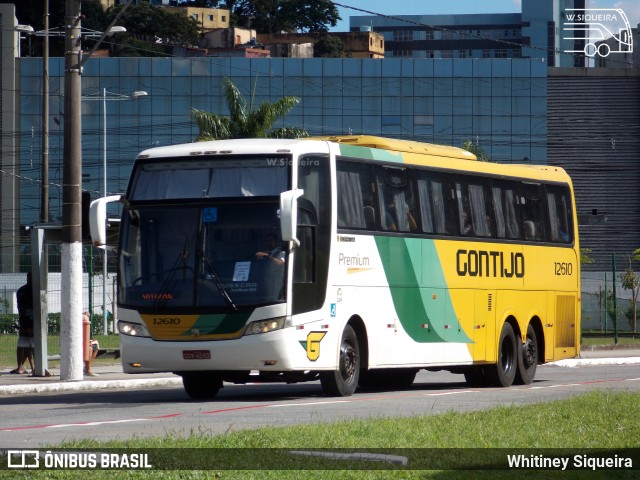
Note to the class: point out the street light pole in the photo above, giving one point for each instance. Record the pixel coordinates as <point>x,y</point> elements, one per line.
<point>71,335</point>
<point>104,98</point>
<point>44,200</point>
<point>105,271</point>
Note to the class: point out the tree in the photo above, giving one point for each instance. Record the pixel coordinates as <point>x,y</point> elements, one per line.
<point>584,256</point>
<point>329,46</point>
<point>32,13</point>
<point>245,122</point>
<point>274,16</point>
<point>631,281</point>
<point>144,22</point>
<point>480,154</point>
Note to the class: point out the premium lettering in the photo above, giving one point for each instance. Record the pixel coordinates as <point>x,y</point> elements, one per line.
<point>353,260</point>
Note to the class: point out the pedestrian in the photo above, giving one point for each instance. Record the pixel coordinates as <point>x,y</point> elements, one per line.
<point>90,346</point>
<point>24,350</point>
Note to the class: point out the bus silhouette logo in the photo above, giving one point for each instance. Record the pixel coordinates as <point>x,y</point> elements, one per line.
<point>603,31</point>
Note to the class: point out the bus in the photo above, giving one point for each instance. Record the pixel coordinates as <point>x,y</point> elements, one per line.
<point>353,260</point>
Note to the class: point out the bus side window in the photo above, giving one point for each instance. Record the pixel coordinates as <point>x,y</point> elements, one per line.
<point>397,209</point>
<point>559,207</point>
<point>356,202</point>
<point>304,266</point>
<point>533,211</point>
<point>474,212</point>
<point>505,209</point>
<point>437,209</point>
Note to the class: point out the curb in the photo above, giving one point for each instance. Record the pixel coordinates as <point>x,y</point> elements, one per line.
<point>90,385</point>
<point>581,362</point>
<point>85,385</point>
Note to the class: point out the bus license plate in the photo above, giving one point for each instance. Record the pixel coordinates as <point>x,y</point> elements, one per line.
<point>196,354</point>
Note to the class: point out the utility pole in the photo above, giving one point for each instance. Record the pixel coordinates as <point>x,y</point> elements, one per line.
<point>71,362</point>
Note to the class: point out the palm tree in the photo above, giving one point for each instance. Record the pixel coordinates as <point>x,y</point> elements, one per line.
<point>480,154</point>
<point>245,122</point>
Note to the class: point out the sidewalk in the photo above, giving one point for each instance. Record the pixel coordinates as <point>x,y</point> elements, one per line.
<point>111,376</point>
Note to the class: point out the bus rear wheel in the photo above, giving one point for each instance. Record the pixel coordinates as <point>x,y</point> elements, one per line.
<point>201,386</point>
<point>527,358</point>
<point>503,373</point>
<point>343,382</point>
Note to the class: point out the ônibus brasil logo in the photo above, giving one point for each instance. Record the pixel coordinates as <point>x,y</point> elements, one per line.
<point>597,31</point>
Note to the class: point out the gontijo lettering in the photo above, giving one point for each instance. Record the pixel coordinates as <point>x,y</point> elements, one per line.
<point>483,263</point>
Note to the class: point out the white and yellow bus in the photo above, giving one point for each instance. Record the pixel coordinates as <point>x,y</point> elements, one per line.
<point>354,260</point>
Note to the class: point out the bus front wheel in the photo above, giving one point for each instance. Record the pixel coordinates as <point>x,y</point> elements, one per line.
<point>201,386</point>
<point>527,358</point>
<point>343,382</point>
<point>503,373</point>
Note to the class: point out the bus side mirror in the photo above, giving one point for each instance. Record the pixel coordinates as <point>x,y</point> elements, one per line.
<point>98,219</point>
<point>289,215</point>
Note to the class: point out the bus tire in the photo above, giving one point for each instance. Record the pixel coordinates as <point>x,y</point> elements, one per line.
<point>200,386</point>
<point>343,382</point>
<point>527,358</point>
<point>503,372</point>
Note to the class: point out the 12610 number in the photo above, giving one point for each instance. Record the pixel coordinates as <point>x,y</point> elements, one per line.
<point>563,268</point>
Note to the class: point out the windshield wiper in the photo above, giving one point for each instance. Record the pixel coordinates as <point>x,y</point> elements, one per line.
<point>216,279</point>
<point>169,284</point>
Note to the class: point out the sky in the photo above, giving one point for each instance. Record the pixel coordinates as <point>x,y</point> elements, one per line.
<point>435,7</point>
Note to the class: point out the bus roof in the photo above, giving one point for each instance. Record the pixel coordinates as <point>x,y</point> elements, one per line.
<point>445,157</point>
<point>218,147</point>
<point>404,151</point>
<point>406,146</point>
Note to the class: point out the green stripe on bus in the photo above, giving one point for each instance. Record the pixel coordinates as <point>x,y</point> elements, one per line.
<point>370,153</point>
<point>422,316</point>
<point>219,323</point>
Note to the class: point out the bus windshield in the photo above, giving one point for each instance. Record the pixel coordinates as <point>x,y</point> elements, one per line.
<point>224,256</point>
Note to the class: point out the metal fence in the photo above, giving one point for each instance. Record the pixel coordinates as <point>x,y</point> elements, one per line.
<point>601,315</point>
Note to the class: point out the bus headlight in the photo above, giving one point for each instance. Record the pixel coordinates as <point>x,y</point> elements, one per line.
<point>133,329</point>
<point>264,326</point>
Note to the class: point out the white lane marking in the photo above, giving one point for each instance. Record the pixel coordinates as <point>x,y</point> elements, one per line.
<point>304,404</point>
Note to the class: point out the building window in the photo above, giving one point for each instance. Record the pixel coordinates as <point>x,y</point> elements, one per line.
<point>211,18</point>
<point>428,34</point>
<point>195,16</point>
<point>402,35</point>
<point>449,35</point>
<point>429,54</point>
<point>402,53</point>
<point>224,18</point>
<point>462,54</point>
<point>446,54</point>
<point>501,53</point>
<point>486,53</point>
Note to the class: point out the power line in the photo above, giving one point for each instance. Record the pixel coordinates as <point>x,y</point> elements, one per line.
<point>547,50</point>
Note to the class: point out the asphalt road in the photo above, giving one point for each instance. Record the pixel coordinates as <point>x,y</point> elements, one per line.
<point>30,420</point>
